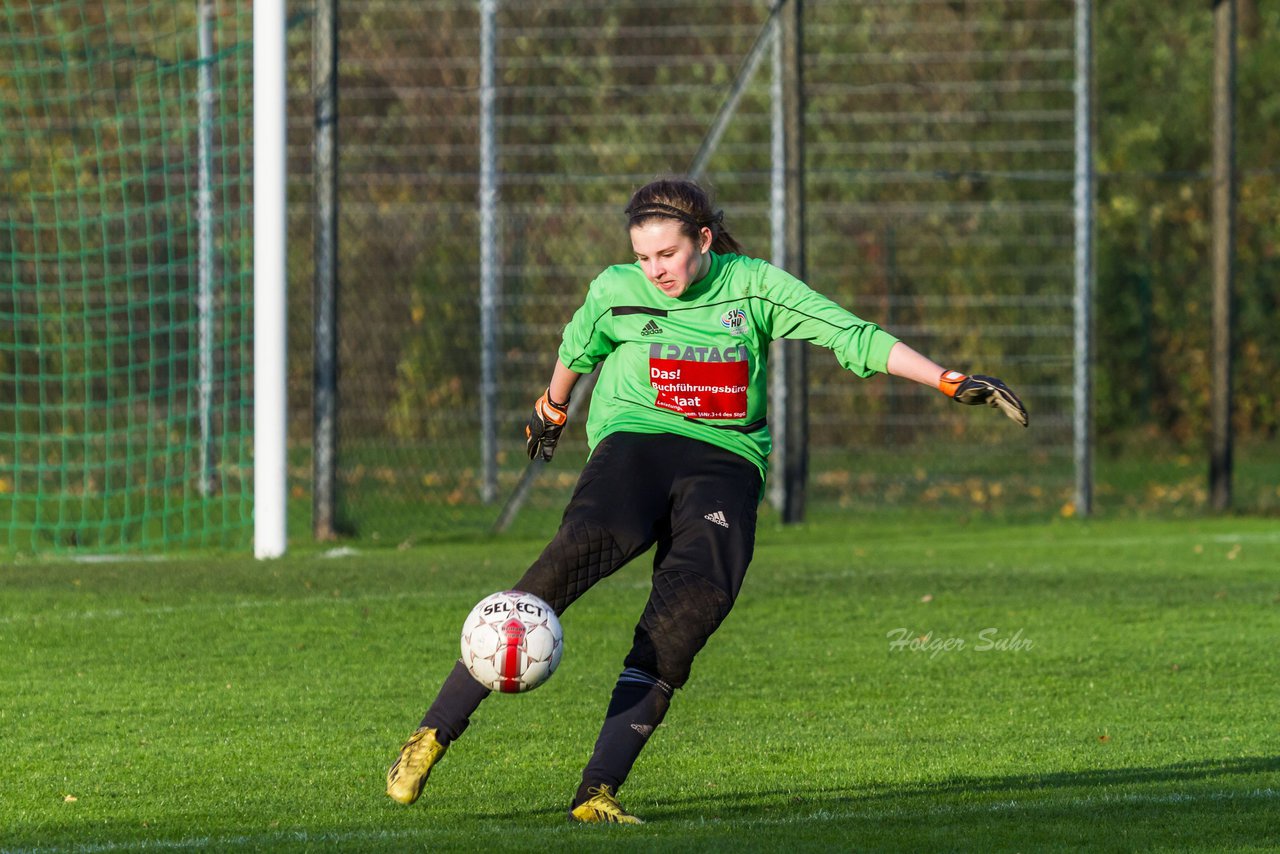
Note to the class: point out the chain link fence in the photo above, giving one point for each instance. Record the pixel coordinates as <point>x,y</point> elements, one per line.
<point>939,168</point>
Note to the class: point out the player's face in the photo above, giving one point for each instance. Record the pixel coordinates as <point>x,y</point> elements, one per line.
<point>669,259</point>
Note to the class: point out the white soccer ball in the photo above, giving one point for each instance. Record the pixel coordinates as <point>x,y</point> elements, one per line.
<point>512,641</point>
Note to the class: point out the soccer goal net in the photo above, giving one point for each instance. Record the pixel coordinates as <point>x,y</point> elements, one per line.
<point>125,229</point>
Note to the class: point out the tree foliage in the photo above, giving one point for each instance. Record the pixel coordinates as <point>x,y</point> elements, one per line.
<point>1154,93</point>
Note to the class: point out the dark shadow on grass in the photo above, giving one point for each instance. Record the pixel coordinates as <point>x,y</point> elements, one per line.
<point>1182,772</point>
<point>1217,803</point>
<point>1138,780</point>
<point>1228,803</point>
<point>1167,781</point>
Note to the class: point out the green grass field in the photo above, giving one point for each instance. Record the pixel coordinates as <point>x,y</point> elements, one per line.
<point>1085,685</point>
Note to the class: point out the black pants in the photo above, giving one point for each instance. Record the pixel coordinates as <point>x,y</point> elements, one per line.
<point>694,501</point>
<point>697,504</point>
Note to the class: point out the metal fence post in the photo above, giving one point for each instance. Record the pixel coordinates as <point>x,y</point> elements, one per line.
<point>324,86</point>
<point>490,255</point>
<point>1224,200</point>
<point>1082,386</point>
<point>778,252</point>
<point>795,458</point>
<point>206,273</point>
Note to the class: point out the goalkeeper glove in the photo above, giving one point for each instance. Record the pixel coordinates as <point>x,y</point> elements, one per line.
<point>979,389</point>
<point>545,426</point>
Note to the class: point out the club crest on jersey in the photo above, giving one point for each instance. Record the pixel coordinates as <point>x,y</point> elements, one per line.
<point>735,320</point>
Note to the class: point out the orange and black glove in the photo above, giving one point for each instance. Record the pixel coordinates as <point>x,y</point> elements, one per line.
<point>977,389</point>
<point>545,426</point>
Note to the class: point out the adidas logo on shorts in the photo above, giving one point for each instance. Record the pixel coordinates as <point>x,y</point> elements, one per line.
<point>651,328</point>
<point>718,518</point>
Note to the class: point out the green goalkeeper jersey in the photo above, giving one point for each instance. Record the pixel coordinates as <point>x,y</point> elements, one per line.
<point>696,365</point>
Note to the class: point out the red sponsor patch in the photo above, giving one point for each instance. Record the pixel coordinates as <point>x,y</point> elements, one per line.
<point>711,390</point>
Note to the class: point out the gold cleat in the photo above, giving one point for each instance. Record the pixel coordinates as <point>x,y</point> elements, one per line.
<point>407,776</point>
<point>602,806</point>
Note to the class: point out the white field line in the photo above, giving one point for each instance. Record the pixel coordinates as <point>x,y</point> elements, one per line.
<point>347,551</point>
<point>166,610</point>
<point>1088,541</point>
<point>355,837</point>
<point>1255,537</point>
<point>128,557</point>
<point>239,605</point>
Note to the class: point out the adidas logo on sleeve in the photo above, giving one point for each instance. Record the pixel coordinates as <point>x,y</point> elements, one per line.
<point>718,518</point>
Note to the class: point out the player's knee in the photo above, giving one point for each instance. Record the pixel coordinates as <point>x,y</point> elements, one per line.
<point>581,553</point>
<point>683,612</point>
<point>630,532</point>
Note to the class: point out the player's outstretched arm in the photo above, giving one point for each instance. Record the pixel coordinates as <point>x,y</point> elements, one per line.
<point>962,388</point>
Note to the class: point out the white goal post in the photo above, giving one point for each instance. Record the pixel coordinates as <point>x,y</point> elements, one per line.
<point>269,279</point>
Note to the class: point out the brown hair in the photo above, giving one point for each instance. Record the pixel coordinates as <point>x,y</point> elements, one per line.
<point>683,200</point>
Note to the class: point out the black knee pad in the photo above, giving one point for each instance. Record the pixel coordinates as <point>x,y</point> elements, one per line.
<point>684,610</point>
<point>581,553</point>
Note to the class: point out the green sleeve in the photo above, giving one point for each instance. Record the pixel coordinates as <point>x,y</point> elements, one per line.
<point>797,311</point>
<point>586,340</point>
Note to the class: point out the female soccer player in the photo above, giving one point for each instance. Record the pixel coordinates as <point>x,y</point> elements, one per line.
<point>680,445</point>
